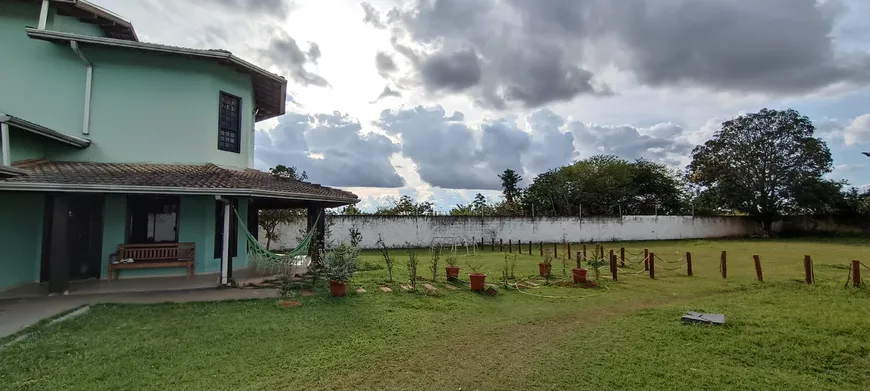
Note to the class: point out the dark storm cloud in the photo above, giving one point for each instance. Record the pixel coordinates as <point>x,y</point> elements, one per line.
<point>536,52</point>
<point>283,52</point>
<point>344,156</point>
<point>451,71</point>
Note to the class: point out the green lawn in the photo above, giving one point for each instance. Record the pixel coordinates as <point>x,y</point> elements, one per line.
<point>780,334</point>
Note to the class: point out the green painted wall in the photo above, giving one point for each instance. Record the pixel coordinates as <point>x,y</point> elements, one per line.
<point>145,107</point>
<point>196,224</point>
<point>21,221</point>
<point>38,72</point>
<point>25,145</point>
<point>70,24</point>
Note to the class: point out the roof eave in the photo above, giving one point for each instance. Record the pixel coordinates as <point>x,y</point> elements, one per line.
<point>8,171</point>
<point>90,188</point>
<point>57,36</point>
<point>40,130</point>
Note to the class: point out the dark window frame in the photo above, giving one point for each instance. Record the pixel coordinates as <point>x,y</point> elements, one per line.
<point>132,202</point>
<point>219,229</point>
<point>228,127</point>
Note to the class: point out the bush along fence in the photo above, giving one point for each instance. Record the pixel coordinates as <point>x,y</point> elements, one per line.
<point>639,261</point>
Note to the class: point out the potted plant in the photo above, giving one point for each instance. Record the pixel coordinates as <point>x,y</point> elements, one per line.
<point>339,264</point>
<point>579,273</point>
<point>452,269</point>
<point>478,279</point>
<point>545,267</point>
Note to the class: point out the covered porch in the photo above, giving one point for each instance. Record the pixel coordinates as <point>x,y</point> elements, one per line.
<point>72,225</point>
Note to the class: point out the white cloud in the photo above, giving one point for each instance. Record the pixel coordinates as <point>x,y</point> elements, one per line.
<point>858,131</point>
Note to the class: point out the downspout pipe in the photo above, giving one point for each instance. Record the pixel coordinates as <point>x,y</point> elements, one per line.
<point>4,140</point>
<point>43,15</point>
<point>89,76</point>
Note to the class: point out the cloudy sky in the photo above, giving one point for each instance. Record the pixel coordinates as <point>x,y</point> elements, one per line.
<point>433,98</point>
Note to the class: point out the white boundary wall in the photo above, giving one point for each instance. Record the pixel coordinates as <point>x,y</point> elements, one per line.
<point>420,231</point>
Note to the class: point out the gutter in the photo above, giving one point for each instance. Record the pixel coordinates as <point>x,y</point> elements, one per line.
<point>215,54</point>
<point>87,188</point>
<point>89,76</point>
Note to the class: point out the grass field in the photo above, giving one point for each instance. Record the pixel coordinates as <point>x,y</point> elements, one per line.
<point>780,334</point>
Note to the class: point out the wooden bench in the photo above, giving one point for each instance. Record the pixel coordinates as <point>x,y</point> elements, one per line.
<point>146,256</point>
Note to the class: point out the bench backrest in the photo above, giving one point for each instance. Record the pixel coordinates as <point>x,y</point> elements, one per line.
<point>157,251</point>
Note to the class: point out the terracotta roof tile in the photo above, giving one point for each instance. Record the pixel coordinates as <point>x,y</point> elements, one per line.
<point>189,176</point>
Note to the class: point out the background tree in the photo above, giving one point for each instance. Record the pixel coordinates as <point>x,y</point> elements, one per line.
<point>351,210</point>
<point>758,163</point>
<point>510,182</point>
<point>292,172</point>
<point>406,206</point>
<point>270,220</point>
<point>605,185</point>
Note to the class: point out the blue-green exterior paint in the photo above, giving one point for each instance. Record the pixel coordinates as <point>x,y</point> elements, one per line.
<point>145,107</point>
<point>20,238</point>
<point>69,24</point>
<point>27,145</point>
<point>196,224</point>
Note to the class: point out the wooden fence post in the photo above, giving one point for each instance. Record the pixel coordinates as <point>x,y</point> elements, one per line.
<point>510,245</point>
<point>613,268</point>
<point>689,263</point>
<point>493,244</point>
<point>541,244</point>
<point>723,265</point>
<point>808,270</point>
<point>555,250</point>
<point>622,257</point>
<point>530,247</point>
<point>652,265</point>
<point>584,252</point>
<point>645,259</point>
<point>612,256</point>
<point>500,245</point>
<point>856,273</point>
<point>758,267</point>
<point>569,250</point>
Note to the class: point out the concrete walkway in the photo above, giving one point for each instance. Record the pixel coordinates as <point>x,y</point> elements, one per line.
<point>16,314</point>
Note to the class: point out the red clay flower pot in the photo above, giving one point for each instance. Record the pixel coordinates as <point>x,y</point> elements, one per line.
<point>579,275</point>
<point>337,288</point>
<point>478,281</point>
<point>544,269</point>
<point>452,272</point>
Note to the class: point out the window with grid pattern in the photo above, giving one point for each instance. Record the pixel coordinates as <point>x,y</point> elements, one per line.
<point>229,123</point>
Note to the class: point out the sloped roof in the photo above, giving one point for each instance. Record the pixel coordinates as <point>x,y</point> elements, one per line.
<point>145,178</point>
<point>270,90</point>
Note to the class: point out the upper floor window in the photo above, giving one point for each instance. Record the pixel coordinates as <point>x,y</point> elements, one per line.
<point>230,123</point>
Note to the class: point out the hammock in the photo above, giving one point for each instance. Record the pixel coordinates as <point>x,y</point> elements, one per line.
<point>263,257</point>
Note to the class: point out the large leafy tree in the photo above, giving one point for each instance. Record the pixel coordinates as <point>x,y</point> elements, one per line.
<point>406,206</point>
<point>759,163</point>
<point>605,185</point>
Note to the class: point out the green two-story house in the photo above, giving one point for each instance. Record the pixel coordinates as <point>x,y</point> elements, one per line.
<point>110,142</point>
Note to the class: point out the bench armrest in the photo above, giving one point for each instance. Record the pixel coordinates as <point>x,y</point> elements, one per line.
<point>113,257</point>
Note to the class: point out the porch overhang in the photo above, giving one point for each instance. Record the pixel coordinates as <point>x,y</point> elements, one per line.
<point>172,179</point>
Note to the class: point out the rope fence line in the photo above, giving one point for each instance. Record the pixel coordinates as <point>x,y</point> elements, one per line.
<point>629,260</point>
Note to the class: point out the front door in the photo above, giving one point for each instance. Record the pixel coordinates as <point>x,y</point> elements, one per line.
<point>86,236</point>
<point>73,238</point>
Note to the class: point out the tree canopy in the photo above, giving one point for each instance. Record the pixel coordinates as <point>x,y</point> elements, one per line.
<point>760,163</point>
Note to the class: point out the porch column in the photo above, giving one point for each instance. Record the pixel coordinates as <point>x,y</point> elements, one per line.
<point>59,248</point>
<point>313,213</point>
<point>226,262</point>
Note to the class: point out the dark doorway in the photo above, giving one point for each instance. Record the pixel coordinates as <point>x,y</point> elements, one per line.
<point>72,238</point>
<point>86,236</point>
